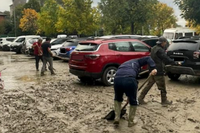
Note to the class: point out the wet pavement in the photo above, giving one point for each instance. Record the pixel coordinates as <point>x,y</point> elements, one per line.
<point>48,104</point>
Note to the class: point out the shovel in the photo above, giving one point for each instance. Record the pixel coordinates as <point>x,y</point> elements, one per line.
<point>111,114</point>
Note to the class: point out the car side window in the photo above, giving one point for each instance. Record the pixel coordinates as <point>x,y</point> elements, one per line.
<point>124,47</point>
<point>112,46</point>
<point>139,47</point>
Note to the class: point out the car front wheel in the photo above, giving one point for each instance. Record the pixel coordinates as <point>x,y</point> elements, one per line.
<point>173,76</point>
<point>108,76</point>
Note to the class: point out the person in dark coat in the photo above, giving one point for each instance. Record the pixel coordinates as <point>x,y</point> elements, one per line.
<point>160,58</point>
<point>47,56</point>
<point>125,82</point>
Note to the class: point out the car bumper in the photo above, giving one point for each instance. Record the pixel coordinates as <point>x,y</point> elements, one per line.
<point>5,48</point>
<point>15,48</point>
<point>63,56</point>
<point>181,70</point>
<point>82,73</point>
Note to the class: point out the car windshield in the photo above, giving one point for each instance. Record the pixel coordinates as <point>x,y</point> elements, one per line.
<point>66,44</point>
<point>31,41</point>
<point>20,40</point>
<point>87,47</point>
<point>59,41</point>
<point>168,35</point>
<point>182,46</point>
<point>10,39</point>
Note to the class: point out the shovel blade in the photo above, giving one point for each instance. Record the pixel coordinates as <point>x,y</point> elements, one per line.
<point>111,115</point>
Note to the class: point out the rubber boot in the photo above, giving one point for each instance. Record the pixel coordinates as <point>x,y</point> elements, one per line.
<point>117,106</point>
<point>164,100</point>
<point>42,73</point>
<point>132,112</point>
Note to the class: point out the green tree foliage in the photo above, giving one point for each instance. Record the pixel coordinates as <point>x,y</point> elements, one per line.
<point>43,1</point>
<point>162,18</point>
<point>48,17</point>
<point>16,20</point>
<point>2,28</point>
<point>78,17</point>
<point>190,10</point>
<point>118,16</point>
<point>33,4</point>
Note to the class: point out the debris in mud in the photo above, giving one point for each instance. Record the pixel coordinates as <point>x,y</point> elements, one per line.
<point>193,120</point>
<point>61,104</point>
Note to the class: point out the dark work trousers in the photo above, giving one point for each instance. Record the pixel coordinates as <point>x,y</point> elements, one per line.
<point>127,85</point>
<point>48,60</point>
<point>37,60</point>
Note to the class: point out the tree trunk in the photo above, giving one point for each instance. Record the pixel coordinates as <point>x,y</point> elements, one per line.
<point>132,28</point>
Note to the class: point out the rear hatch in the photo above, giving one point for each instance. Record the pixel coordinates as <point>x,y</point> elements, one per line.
<point>185,51</point>
<point>67,46</point>
<point>83,51</point>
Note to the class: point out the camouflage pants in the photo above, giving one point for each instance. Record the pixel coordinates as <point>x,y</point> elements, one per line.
<point>160,82</point>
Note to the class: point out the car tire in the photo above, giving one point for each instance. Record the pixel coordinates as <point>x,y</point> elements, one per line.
<point>19,51</point>
<point>173,76</point>
<point>108,76</point>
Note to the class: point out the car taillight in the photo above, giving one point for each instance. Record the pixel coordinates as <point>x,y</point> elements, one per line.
<point>68,49</point>
<point>92,56</point>
<point>196,55</point>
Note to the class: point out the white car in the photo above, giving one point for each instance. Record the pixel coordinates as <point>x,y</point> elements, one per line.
<point>6,39</point>
<point>57,44</point>
<point>16,45</point>
<point>5,42</point>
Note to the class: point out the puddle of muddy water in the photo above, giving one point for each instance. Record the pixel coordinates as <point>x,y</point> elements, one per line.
<point>8,59</point>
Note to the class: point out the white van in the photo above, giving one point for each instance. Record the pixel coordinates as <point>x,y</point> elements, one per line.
<point>176,33</point>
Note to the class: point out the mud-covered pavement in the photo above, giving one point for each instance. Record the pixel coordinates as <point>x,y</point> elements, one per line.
<point>61,104</point>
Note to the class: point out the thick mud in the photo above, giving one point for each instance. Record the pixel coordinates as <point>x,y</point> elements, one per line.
<point>61,104</point>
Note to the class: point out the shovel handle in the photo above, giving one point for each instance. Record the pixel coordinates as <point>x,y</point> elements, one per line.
<point>125,105</point>
<point>144,83</point>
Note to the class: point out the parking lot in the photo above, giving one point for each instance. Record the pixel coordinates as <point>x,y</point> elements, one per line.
<point>31,103</point>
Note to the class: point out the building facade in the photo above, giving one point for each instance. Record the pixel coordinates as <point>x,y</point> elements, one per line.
<point>2,17</point>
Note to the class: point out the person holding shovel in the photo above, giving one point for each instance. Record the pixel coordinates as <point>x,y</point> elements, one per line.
<point>37,52</point>
<point>160,58</point>
<point>125,82</point>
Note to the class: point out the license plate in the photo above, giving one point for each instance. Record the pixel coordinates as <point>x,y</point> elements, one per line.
<point>179,59</point>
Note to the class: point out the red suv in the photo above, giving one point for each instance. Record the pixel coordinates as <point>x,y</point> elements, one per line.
<point>95,59</point>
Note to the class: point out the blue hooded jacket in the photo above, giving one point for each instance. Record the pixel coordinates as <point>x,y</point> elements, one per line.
<point>132,67</point>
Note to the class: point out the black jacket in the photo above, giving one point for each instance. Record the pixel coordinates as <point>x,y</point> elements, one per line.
<point>160,58</point>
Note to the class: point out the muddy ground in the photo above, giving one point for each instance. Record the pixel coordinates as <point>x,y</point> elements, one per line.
<point>30,103</point>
